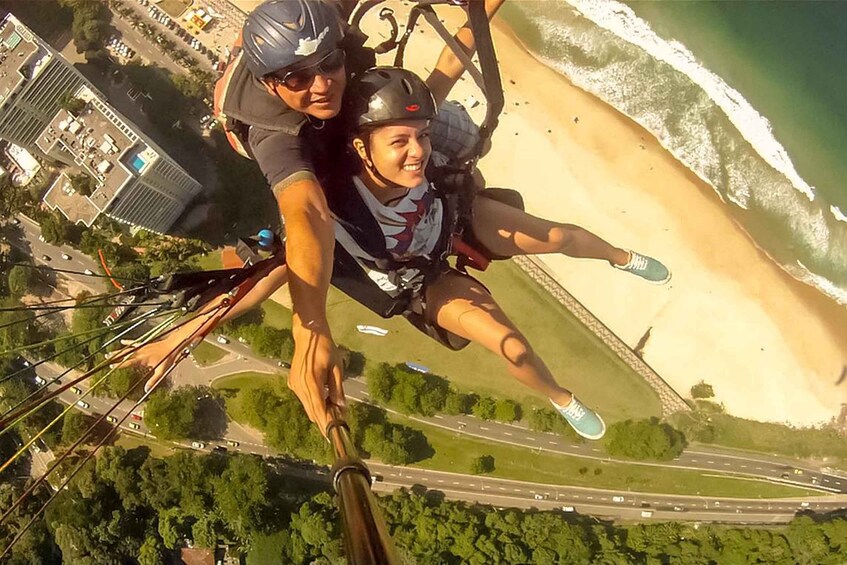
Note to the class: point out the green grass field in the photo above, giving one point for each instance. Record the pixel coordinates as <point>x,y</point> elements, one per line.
<point>577,358</point>
<point>241,381</point>
<point>206,353</point>
<point>157,448</point>
<point>454,452</point>
<point>210,261</point>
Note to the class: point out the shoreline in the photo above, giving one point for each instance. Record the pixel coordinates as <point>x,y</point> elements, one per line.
<point>768,343</point>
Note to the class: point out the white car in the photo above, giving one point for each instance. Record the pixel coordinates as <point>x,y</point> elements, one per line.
<point>83,404</point>
<point>39,380</point>
<point>88,272</point>
<point>539,497</point>
<point>222,339</point>
<point>198,445</point>
<point>646,513</point>
<point>568,509</point>
<point>66,257</point>
<point>617,499</point>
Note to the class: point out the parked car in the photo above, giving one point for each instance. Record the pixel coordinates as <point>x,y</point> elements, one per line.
<point>112,419</point>
<point>134,426</point>
<point>135,416</point>
<point>66,257</point>
<point>76,390</point>
<point>83,404</point>
<point>222,339</point>
<point>46,258</point>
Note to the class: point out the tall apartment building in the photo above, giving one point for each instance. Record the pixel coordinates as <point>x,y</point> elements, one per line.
<point>136,181</point>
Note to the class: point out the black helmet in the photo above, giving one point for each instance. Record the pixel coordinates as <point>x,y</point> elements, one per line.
<point>388,94</point>
<point>279,33</point>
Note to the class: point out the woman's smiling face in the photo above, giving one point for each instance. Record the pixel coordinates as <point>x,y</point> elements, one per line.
<point>400,152</point>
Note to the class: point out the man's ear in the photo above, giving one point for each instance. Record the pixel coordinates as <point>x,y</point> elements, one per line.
<point>269,85</point>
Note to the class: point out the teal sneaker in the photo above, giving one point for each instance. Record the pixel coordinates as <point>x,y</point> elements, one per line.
<point>647,268</point>
<point>585,421</point>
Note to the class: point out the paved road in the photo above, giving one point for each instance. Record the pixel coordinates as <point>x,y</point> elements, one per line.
<point>503,492</point>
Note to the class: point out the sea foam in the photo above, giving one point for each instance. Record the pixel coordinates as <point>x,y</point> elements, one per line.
<point>756,129</point>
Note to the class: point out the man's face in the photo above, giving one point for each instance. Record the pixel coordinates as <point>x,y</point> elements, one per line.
<point>314,87</point>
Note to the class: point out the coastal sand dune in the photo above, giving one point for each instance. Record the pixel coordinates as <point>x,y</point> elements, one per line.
<point>771,347</point>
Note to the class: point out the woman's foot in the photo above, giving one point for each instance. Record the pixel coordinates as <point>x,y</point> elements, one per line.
<point>647,268</point>
<point>585,421</point>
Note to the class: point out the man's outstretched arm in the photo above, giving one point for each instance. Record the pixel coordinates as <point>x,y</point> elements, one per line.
<point>316,370</point>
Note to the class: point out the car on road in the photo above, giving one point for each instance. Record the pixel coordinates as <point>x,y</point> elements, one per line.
<point>679,508</point>
<point>41,239</point>
<point>39,446</point>
<point>376,478</point>
<point>134,426</point>
<point>76,390</point>
<point>112,419</point>
<point>198,445</point>
<point>617,499</point>
<point>66,257</point>
<point>15,221</point>
<point>222,339</point>
<point>39,380</point>
<point>83,404</point>
<point>785,476</point>
<point>798,471</point>
<point>137,417</point>
<point>46,258</point>
<point>539,497</point>
<point>283,364</point>
<point>568,509</point>
<point>219,449</point>
<point>88,272</point>
<point>804,505</point>
<point>646,513</point>
<point>232,443</point>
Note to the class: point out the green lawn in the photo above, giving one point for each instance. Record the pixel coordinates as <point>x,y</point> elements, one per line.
<point>276,315</point>
<point>210,262</point>
<point>241,381</point>
<point>575,356</point>
<point>770,438</point>
<point>157,448</point>
<point>454,452</point>
<point>206,353</point>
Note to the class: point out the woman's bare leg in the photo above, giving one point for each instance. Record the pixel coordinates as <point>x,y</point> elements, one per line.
<point>463,306</point>
<point>508,231</point>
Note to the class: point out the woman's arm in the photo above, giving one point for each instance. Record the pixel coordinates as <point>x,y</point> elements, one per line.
<point>449,68</point>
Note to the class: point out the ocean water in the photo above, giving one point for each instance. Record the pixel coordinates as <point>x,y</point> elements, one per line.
<point>748,95</point>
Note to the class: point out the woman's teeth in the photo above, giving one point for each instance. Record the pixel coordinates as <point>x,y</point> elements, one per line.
<point>415,167</point>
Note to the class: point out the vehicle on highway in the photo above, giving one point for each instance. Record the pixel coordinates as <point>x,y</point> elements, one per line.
<point>137,417</point>
<point>219,449</point>
<point>112,419</point>
<point>679,508</point>
<point>46,258</point>
<point>41,239</point>
<point>76,390</point>
<point>804,505</point>
<point>283,364</point>
<point>15,221</point>
<point>785,476</point>
<point>83,404</point>
<point>232,443</point>
<point>66,257</point>
<point>39,380</point>
<point>222,339</point>
<point>376,478</point>
<point>134,426</point>
<point>88,272</point>
<point>646,513</point>
<point>198,445</point>
<point>617,499</point>
<point>798,471</point>
<point>568,509</point>
<point>539,497</point>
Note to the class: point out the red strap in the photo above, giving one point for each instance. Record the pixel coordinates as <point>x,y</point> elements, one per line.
<point>471,256</point>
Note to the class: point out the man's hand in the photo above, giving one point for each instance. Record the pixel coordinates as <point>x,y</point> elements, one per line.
<point>316,375</point>
<point>157,355</point>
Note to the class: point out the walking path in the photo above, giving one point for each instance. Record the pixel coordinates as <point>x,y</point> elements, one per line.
<point>537,270</point>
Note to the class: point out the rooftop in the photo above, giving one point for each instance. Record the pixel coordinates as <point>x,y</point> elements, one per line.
<point>21,57</point>
<point>76,207</point>
<point>101,144</point>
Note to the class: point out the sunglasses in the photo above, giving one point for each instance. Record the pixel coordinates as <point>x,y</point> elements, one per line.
<point>301,79</point>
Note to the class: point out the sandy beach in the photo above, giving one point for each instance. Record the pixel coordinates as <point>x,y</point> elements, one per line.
<point>772,348</point>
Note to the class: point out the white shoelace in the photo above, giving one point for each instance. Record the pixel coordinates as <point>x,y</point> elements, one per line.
<point>575,410</point>
<point>636,262</point>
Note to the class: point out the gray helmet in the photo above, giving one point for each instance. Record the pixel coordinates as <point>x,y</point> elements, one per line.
<point>279,33</point>
<point>388,94</point>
